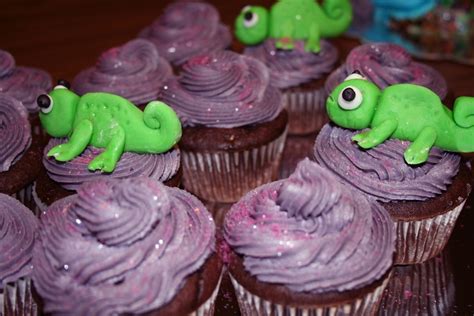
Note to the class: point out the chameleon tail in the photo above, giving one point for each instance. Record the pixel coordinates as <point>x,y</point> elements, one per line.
<point>163,119</point>
<point>336,17</point>
<point>463,115</point>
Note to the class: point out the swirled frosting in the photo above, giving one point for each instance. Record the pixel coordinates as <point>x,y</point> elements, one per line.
<point>223,89</point>
<point>72,174</point>
<point>311,233</point>
<point>386,64</point>
<point>23,83</point>
<point>134,71</point>
<point>15,131</point>
<point>120,247</point>
<point>294,67</point>
<point>381,172</point>
<point>18,228</point>
<point>186,29</point>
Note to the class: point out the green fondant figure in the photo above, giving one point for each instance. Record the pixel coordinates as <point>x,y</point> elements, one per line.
<point>402,111</point>
<point>107,121</point>
<point>290,20</point>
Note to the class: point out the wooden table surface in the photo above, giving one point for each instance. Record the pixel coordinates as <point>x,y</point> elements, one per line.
<point>65,36</point>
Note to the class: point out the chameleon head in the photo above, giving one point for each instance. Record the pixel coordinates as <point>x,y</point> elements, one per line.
<point>251,26</point>
<point>58,109</point>
<point>352,103</point>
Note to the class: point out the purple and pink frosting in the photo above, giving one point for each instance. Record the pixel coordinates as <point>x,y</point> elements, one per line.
<point>120,247</point>
<point>382,172</point>
<point>23,83</point>
<point>311,233</point>
<point>135,71</point>
<point>387,64</point>
<point>186,29</point>
<point>223,89</point>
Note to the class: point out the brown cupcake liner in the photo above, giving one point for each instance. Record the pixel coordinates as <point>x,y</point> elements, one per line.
<point>306,110</point>
<point>17,299</point>
<point>207,309</point>
<point>251,305</point>
<point>220,176</point>
<point>25,196</point>
<point>419,241</point>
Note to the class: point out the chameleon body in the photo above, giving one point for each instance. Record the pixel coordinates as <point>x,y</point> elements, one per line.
<point>107,121</point>
<point>290,20</point>
<point>402,111</point>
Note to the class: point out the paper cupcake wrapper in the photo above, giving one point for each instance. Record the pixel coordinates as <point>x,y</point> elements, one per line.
<point>207,309</point>
<point>25,196</point>
<point>17,299</point>
<point>222,176</point>
<point>40,206</point>
<point>306,111</point>
<point>251,305</point>
<point>421,289</point>
<point>419,241</point>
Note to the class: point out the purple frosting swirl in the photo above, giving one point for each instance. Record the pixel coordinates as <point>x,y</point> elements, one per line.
<point>223,89</point>
<point>15,131</point>
<point>120,247</point>
<point>294,67</point>
<point>72,174</point>
<point>134,71</point>
<point>381,172</point>
<point>386,64</point>
<point>23,83</point>
<point>186,29</point>
<point>311,233</point>
<point>18,228</point>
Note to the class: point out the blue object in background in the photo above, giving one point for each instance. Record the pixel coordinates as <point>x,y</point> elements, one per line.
<point>384,10</point>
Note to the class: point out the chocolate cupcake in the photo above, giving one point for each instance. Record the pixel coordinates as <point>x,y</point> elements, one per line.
<point>424,200</point>
<point>127,247</point>
<point>309,246</point>
<point>234,127</point>
<point>135,71</point>
<point>186,29</point>
<point>18,229</point>
<point>386,64</point>
<point>300,75</point>
<point>20,152</point>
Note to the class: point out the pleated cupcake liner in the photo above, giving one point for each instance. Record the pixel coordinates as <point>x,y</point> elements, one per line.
<point>222,176</point>
<point>25,196</point>
<point>207,309</point>
<point>419,241</point>
<point>17,299</point>
<point>306,111</point>
<point>251,305</point>
<point>40,206</point>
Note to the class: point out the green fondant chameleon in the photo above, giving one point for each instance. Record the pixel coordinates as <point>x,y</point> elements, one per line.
<point>290,20</point>
<point>402,111</point>
<point>107,121</point>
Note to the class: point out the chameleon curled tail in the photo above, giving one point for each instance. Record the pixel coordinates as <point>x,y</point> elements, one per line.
<point>165,126</point>
<point>463,112</point>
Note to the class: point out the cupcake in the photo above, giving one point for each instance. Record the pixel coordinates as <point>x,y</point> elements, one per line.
<point>122,247</point>
<point>18,229</point>
<point>24,84</point>
<point>386,64</point>
<point>135,71</point>
<point>308,245</point>
<point>20,152</point>
<point>186,29</point>
<point>300,76</point>
<point>234,127</point>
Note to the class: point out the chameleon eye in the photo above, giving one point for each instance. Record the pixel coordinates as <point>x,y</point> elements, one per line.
<point>45,103</point>
<point>355,75</point>
<point>350,98</point>
<point>250,19</point>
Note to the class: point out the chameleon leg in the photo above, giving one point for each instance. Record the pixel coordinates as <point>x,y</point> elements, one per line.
<point>285,38</point>
<point>313,42</point>
<point>376,135</point>
<point>107,160</point>
<point>419,150</point>
<point>78,141</point>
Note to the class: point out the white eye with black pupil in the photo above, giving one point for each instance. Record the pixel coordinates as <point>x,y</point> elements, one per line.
<point>45,103</point>
<point>250,19</point>
<point>350,98</point>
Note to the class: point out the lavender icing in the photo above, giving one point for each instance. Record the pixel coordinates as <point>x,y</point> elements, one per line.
<point>186,29</point>
<point>120,247</point>
<point>294,67</point>
<point>223,89</point>
<point>18,228</point>
<point>386,64</point>
<point>15,131</point>
<point>134,71</point>
<point>23,83</point>
<point>381,172</point>
<point>311,233</point>
<point>72,174</point>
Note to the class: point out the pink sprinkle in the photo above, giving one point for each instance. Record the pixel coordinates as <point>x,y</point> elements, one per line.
<point>408,294</point>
